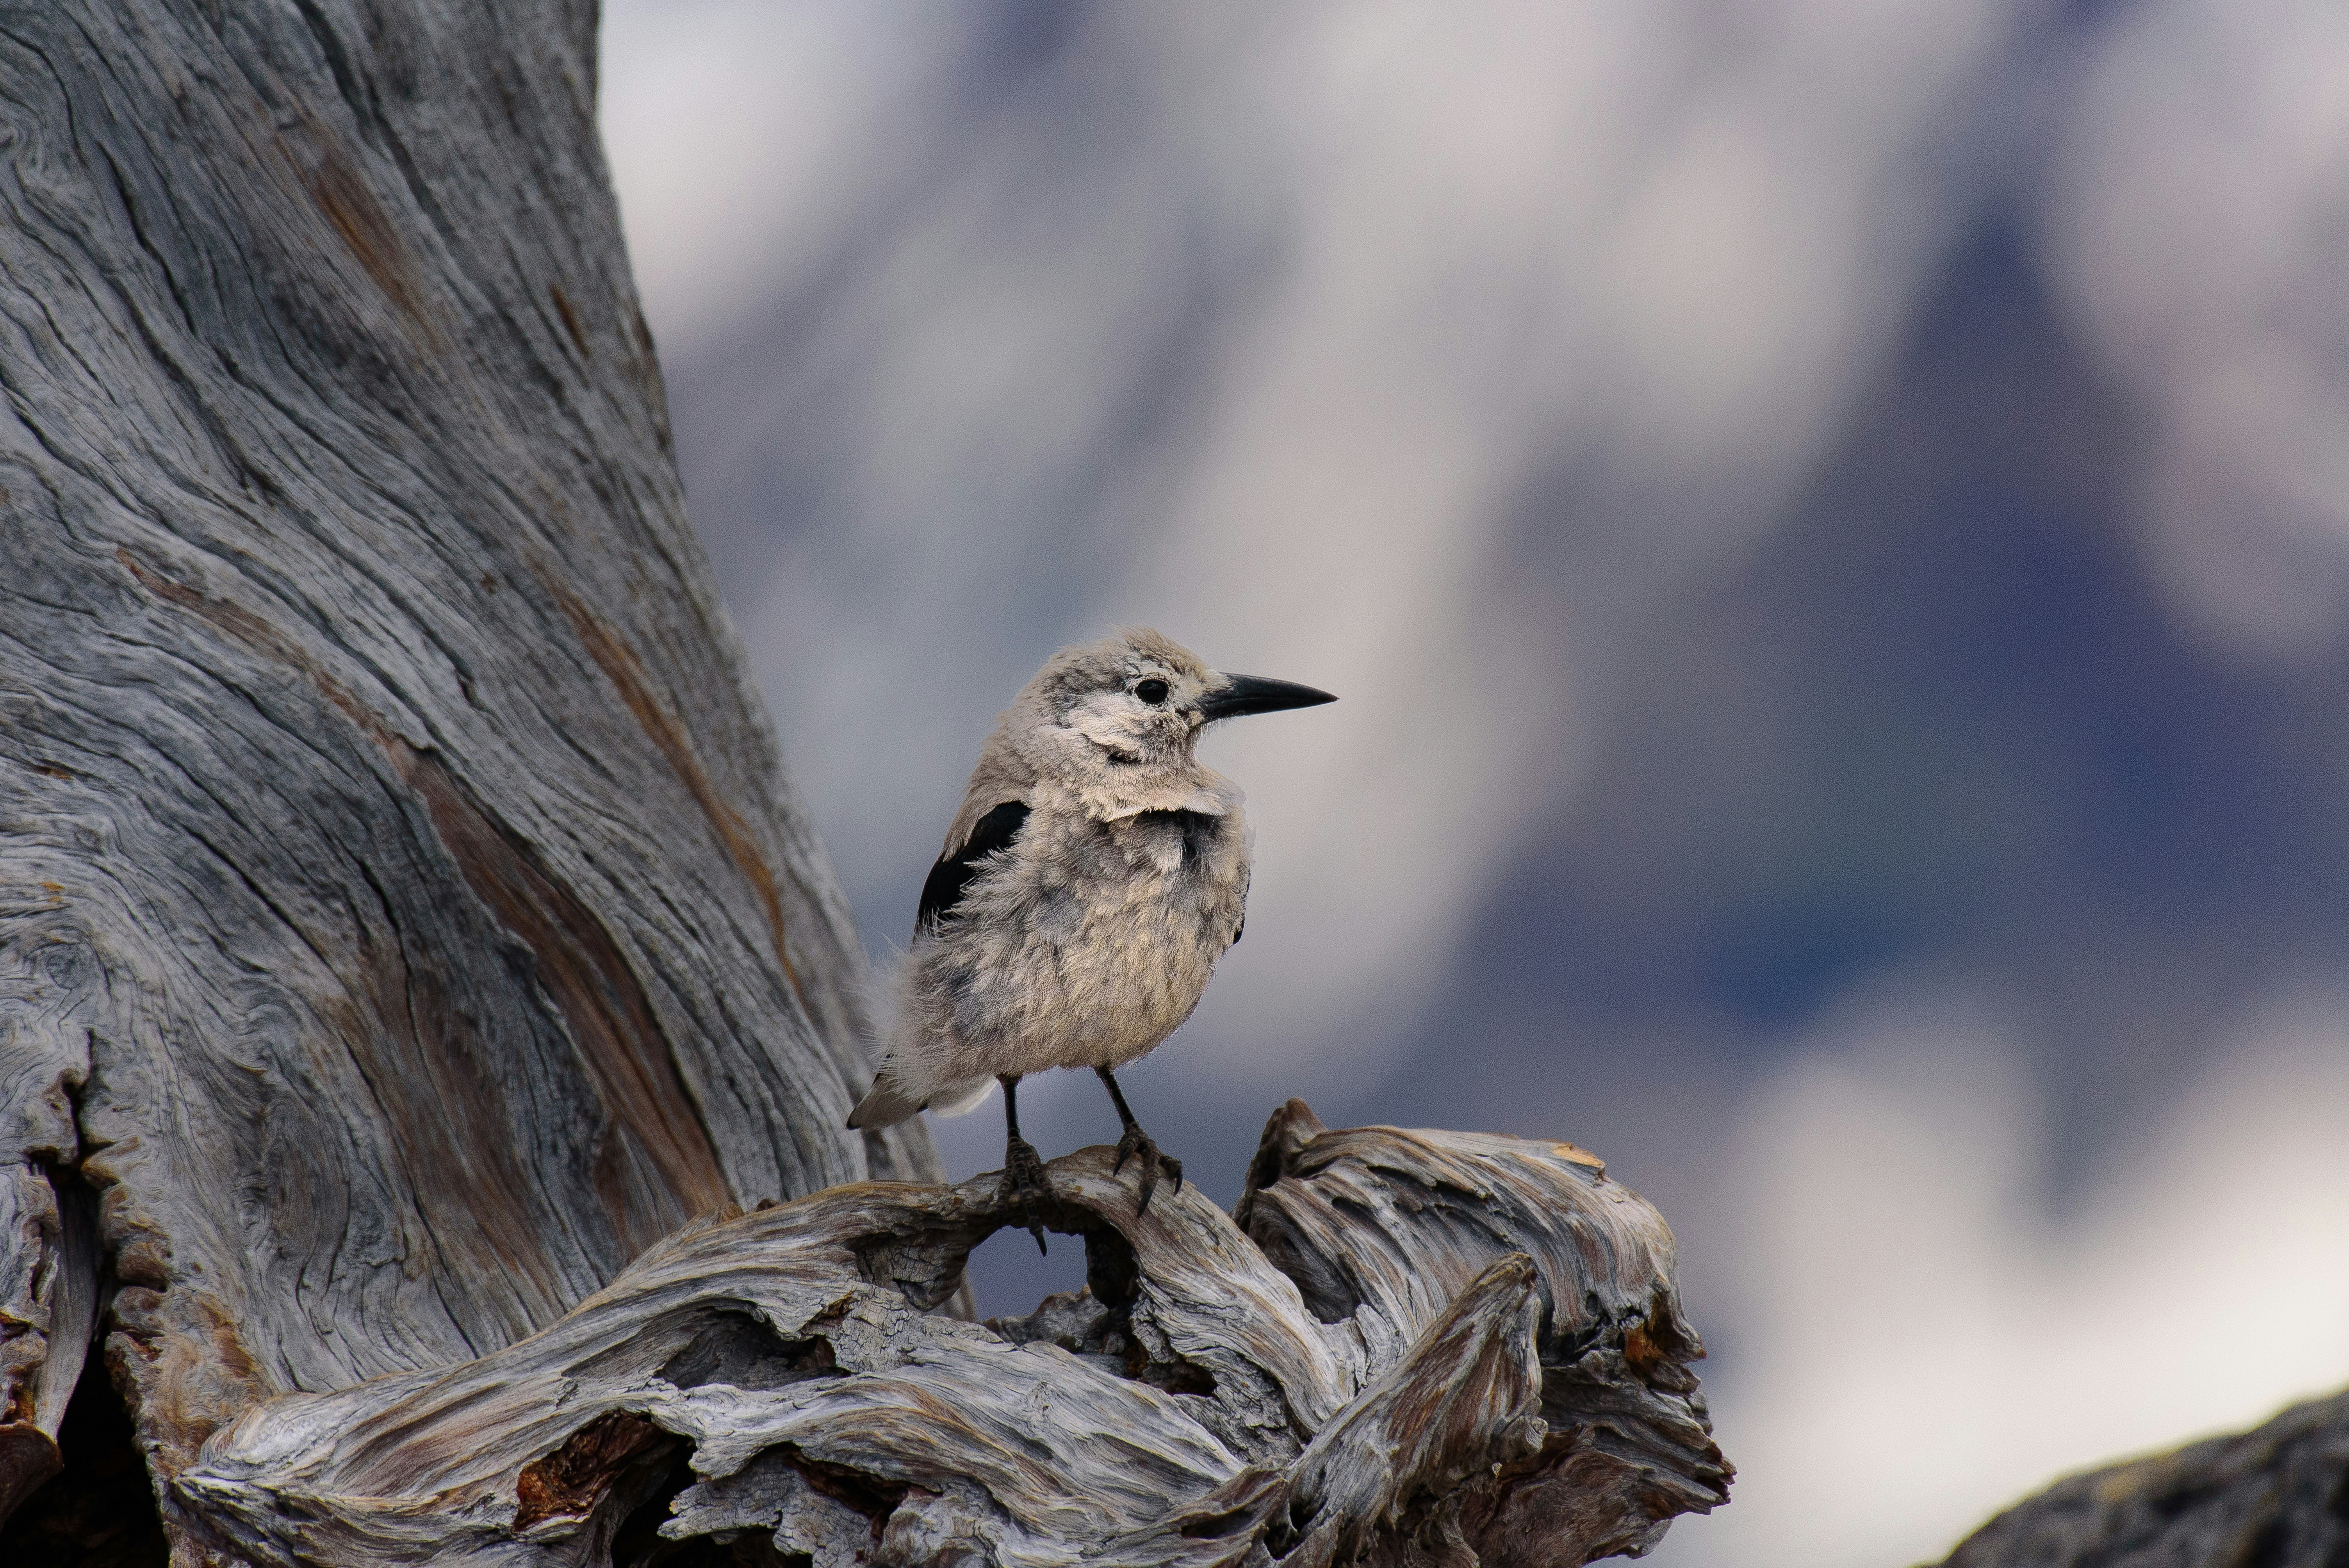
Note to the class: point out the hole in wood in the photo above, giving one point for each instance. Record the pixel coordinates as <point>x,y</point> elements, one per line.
<point>639,1543</point>
<point>926,1263</point>
<point>613,1457</point>
<point>1094,1323</point>
<point>99,1511</point>
<point>739,1349</point>
<point>1007,1277</point>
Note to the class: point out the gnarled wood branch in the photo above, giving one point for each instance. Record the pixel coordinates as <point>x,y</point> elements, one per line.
<point>1471,1350</point>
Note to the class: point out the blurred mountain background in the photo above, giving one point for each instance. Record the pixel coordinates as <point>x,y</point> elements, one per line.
<point>1830,522</point>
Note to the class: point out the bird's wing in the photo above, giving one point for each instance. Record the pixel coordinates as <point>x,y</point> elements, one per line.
<point>943,890</point>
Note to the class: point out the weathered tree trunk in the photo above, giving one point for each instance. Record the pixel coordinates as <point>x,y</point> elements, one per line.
<point>405,928</point>
<point>404,920</point>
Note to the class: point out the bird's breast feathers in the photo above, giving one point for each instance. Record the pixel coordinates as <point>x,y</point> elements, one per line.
<point>1072,939</point>
<point>1114,800</point>
<point>1174,855</point>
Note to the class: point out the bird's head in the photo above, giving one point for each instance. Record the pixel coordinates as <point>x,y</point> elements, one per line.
<point>1134,704</point>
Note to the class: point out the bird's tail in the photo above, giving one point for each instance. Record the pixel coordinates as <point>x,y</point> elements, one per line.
<point>883,1105</point>
<point>957,1097</point>
<point>910,1052</point>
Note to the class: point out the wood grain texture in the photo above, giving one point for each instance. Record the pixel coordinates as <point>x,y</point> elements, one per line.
<point>2274,1497</point>
<point>773,1384</point>
<point>404,919</point>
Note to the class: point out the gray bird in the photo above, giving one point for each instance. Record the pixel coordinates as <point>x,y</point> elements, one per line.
<point>1095,872</point>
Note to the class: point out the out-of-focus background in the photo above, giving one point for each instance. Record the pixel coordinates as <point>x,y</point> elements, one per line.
<point>1830,521</point>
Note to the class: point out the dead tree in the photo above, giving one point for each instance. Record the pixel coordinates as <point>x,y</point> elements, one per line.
<point>412,959</point>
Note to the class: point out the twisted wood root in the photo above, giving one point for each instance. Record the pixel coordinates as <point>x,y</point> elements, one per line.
<point>1406,1348</point>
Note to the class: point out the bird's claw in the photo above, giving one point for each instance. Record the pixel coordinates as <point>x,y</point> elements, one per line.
<point>1024,1185</point>
<point>1136,1144</point>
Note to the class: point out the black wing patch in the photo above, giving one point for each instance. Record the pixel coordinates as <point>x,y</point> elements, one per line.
<point>943,890</point>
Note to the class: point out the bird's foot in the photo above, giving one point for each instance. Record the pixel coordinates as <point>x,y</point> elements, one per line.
<point>1136,1144</point>
<point>1024,1185</point>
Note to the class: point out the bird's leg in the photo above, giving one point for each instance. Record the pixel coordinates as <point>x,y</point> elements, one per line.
<point>1023,1171</point>
<point>1136,1144</point>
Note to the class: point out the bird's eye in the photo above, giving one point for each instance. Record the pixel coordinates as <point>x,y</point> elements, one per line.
<point>1153,692</point>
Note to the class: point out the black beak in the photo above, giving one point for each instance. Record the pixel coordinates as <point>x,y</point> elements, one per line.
<point>1240,695</point>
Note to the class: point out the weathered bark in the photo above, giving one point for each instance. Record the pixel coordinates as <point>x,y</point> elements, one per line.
<point>404,919</point>
<point>2275,1497</point>
<point>405,933</point>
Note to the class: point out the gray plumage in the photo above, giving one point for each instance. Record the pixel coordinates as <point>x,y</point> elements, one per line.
<point>1088,937</point>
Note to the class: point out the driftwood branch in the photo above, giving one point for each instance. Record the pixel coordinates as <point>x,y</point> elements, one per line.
<point>1470,1351</point>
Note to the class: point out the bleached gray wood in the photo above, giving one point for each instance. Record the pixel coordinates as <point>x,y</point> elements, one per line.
<point>1384,1229</point>
<point>404,919</point>
<point>772,1382</point>
<point>1462,1402</point>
